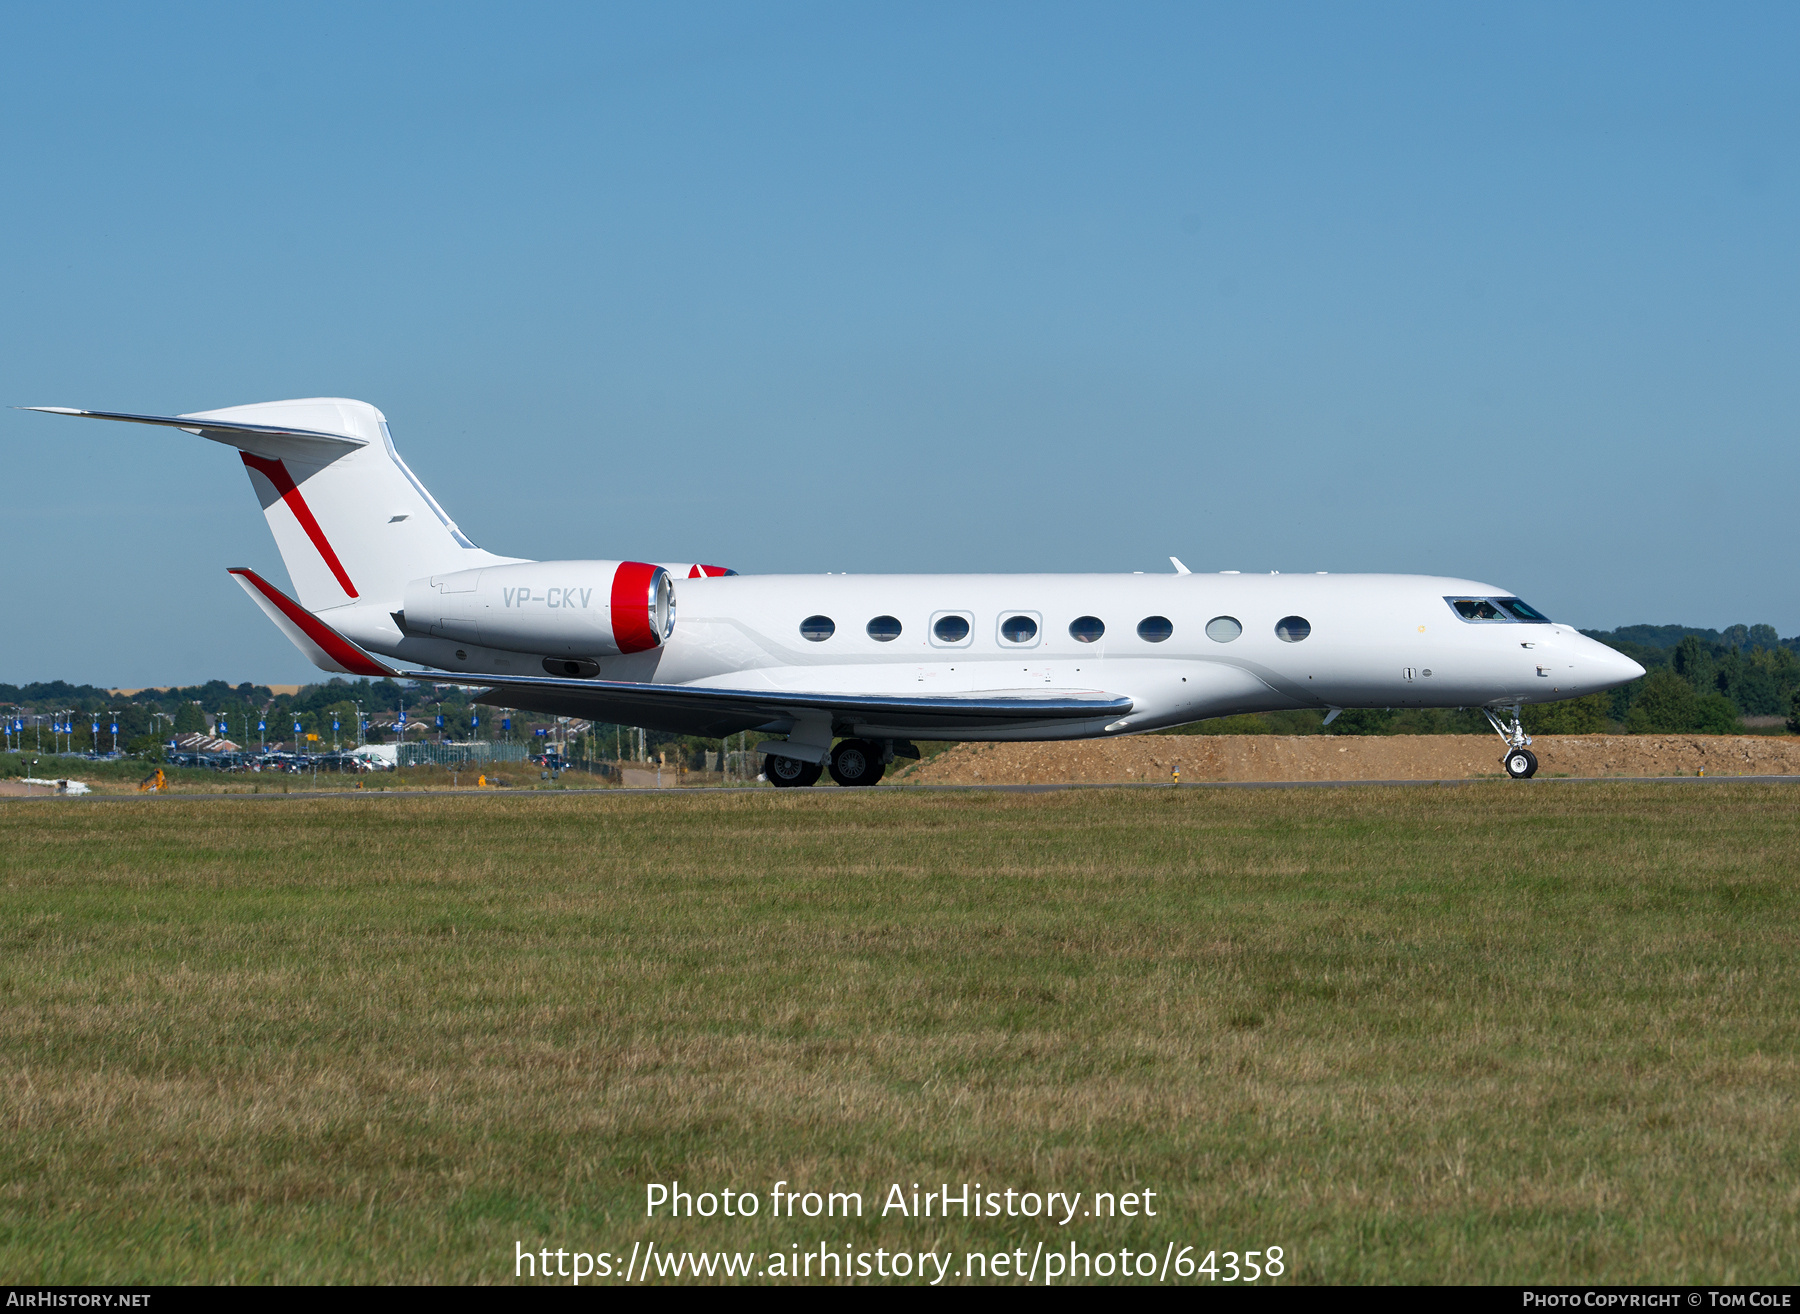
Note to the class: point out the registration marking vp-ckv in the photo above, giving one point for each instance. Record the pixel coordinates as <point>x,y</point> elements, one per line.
<point>551,597</point>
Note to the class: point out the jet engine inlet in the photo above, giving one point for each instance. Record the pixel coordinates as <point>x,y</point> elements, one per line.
<point>643,606</point>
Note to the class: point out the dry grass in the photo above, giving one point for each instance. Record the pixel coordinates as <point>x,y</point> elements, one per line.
<point>1485,1034</point>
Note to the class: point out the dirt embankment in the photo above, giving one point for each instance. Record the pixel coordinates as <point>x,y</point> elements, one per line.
<point>1155,758</point>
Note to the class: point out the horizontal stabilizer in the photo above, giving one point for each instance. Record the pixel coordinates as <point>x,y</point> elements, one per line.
<point>324,647</point>
<point>273,442</point>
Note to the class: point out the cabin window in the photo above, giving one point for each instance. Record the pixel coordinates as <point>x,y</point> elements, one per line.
<point>952,628</point>
<point>884,629</point>
<point>1223,629</point>
<point>1018,629</point>
<point>1087,629</point>
<point>1154,629</point>
<point>1292,629</point>
<point>817,628</point>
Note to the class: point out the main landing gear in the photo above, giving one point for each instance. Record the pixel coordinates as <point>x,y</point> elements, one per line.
<point>857,762</point>
<point>790,772</point>
<point>1520,762</point>
<point>852,762</point>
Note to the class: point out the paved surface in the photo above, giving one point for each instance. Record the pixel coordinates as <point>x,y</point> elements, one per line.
<point>302,795</point>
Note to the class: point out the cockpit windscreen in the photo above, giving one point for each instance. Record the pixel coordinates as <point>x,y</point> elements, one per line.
<point>1505,611</point>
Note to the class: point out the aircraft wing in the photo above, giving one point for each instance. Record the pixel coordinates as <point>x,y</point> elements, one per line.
<point>713,712</point>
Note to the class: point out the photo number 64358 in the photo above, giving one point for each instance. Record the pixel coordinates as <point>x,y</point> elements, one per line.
<point>1226,1267</point>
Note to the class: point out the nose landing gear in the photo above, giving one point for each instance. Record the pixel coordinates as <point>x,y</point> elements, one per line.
<point>1520,762</point>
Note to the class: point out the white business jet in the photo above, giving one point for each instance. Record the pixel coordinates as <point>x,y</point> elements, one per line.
<point>852,668</point>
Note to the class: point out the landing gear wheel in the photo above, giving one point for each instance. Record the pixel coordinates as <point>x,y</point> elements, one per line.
<point>856,762</point>
<point>1521,763</point>
<point>790,772</point>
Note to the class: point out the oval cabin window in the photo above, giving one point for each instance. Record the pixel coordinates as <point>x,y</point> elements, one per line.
<point>1018,629</point>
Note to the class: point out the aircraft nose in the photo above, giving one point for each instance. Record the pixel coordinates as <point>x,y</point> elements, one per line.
<point>1611,666</point>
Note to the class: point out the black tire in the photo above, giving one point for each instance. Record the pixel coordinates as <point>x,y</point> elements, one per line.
<point>856,762</point>
<point>790,772</point>
<point>1520,763</point>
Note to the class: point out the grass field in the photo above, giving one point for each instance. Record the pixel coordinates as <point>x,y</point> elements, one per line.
<point>1496,1033</point>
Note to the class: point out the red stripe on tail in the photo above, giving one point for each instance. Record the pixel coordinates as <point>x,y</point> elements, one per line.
<point>276,473</point>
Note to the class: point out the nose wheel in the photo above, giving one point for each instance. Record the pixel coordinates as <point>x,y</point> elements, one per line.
<point>1520,762</point>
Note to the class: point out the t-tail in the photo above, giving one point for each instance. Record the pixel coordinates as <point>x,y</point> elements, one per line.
<point>374,557</point>
<point>352,522</point>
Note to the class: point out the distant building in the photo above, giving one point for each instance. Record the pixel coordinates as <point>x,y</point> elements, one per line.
<point>199,743</point>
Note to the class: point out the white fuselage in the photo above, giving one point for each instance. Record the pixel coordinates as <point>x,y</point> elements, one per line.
<point>1374,641</point>
<point>378,564</point>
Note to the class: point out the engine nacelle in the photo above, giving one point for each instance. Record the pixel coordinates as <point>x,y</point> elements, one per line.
<point>559,608</point>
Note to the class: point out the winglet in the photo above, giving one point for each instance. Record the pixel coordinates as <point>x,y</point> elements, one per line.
<point>1179,568</point>
<point>324,647</point>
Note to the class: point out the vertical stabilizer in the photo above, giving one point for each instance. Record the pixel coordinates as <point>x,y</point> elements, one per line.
<point>353,525</point>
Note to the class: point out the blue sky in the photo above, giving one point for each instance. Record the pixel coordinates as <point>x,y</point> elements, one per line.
<point>1506,292</point>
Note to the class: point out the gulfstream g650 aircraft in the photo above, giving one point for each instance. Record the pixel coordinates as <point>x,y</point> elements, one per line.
<point>851,668</point>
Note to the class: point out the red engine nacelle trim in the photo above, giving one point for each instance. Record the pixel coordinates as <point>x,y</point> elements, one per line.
<point>635,589</point>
